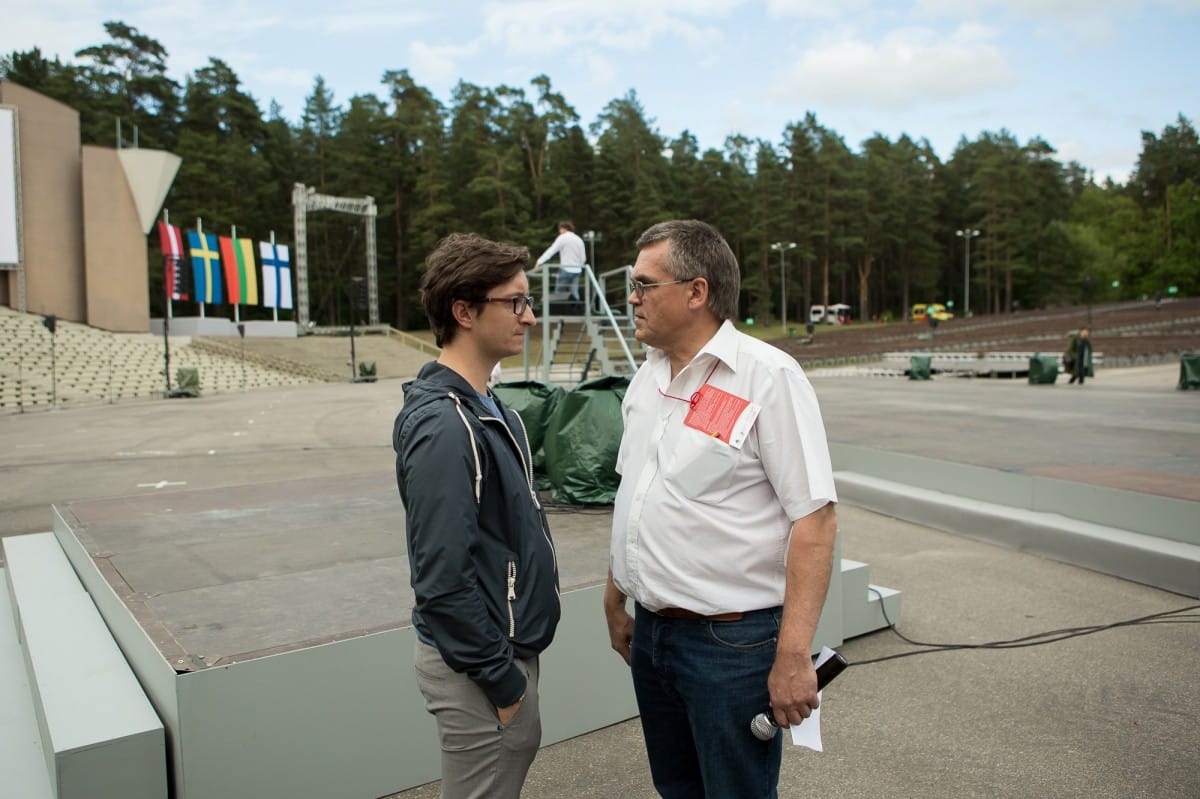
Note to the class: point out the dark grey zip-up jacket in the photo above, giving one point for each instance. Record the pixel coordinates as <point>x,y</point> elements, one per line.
<point>482,561</point>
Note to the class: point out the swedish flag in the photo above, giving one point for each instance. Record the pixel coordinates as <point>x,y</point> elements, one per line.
<point>206,267</point>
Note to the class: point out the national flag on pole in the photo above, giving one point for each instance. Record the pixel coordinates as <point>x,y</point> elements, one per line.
<point>241,283</point>
<point>206,267</point>
<point>170,241</point>
<point>276,275</point>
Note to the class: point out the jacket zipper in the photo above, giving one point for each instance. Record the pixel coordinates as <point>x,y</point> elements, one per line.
<point>526,466</point>
<point>512,595</point>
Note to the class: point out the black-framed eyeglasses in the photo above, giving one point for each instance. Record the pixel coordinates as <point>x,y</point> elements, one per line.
<point>519,304</point>
<point>639,288</point>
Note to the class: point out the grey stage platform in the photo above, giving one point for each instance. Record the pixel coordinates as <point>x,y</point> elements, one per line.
<point>269,624</point>
<point>231,574</point>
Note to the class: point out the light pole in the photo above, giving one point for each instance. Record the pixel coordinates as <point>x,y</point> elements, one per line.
<point>966,234</point>
<point>1088,283</point>
<point>781,247</point>
<point>591,237</point>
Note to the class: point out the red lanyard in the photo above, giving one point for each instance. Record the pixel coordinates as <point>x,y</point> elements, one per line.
<point>695,394</point>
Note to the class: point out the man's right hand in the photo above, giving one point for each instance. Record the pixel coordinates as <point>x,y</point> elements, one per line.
<point>507,714</point>
<point>620,623</point>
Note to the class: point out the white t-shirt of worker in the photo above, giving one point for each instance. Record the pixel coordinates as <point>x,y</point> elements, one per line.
<point>571,253</point>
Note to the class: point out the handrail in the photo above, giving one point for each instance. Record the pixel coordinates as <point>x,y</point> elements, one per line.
<point>416,342</point>
<point>607,309</point>
<point>591,284</point>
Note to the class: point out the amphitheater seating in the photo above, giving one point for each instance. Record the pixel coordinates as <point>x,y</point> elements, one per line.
<point>80,364</point>
<point>1128,333</point>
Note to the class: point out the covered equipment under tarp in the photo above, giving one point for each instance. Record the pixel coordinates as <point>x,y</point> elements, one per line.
<point>1189,371</point>
<point>582,440</point>
<point>1043,369</point>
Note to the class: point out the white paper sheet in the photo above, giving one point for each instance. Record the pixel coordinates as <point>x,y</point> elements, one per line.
<point>808,734</point>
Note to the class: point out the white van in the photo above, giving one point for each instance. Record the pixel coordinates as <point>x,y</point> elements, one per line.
<point>838,314</point>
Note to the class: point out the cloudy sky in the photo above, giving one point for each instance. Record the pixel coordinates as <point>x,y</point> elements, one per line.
<point>1088,76</point>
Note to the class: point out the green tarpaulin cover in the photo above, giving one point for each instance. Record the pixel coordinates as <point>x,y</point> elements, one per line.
<point>1189,371</point>
<point>920,367</point>
<point>1043,369</point>
<point>582,440</point>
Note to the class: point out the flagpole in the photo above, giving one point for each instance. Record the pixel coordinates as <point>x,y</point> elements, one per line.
<point>237,305</point>
<point>174,265</point>
<point>208,279</point>
<point>168,264</point>
<point>274,308</point>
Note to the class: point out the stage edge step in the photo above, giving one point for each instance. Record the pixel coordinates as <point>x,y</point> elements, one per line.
<point>100,737</point>
<point>21,759</point>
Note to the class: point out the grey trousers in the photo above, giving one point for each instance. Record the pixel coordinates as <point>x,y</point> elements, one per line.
<point>480,758</point>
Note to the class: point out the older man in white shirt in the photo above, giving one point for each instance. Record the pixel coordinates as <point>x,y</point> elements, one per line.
<point>723,526</point>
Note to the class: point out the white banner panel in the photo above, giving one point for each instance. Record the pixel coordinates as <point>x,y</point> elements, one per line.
<point>10,245</point>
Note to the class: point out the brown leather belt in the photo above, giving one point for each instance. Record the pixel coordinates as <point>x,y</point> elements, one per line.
<point>680,613</point>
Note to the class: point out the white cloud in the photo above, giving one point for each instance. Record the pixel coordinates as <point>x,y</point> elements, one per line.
<point>438,63</point>
<point>368,20</point>
<point>293,78</point>
<point>1087,23</point>
<point>53,26</point>
<point>600,69</point>
<point>906,68</point>
<point>556,26</point>
<point>819,9</point>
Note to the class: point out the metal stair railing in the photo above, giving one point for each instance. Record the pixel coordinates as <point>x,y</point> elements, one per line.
<point>597,316</point>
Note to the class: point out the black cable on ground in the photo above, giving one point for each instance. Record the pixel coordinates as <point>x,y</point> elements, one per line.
<point>1036,639</point>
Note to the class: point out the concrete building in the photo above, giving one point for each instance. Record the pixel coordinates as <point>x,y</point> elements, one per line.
<point>81,219</point>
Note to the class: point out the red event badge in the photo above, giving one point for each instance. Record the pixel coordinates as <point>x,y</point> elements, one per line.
<point>722,415</point>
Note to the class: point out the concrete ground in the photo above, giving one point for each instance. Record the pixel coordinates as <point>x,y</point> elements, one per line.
<point>1111,714</point>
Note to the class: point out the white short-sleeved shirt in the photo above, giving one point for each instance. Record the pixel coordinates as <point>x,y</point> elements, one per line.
<point>697,523</point>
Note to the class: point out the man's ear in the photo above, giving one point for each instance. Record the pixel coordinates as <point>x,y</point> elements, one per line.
<point>698,293</point>
<point>463,313</point>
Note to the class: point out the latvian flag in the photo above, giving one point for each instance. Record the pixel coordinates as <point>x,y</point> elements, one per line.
<point>206,267</point>
<point>276,275</point>
<point>241,283</point>
<point>170,241</point>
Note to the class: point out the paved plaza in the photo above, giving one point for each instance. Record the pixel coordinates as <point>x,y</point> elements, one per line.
<point>1112,714</point>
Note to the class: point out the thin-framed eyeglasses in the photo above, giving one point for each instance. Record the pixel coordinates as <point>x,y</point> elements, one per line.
<point>639,288</point>
<point>519,304</point>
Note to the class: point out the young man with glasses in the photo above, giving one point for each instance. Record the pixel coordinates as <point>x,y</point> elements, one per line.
<point>723,526</point>
<point>482,563</point>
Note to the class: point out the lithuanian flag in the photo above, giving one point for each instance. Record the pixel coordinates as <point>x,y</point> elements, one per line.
<point>241,281</point>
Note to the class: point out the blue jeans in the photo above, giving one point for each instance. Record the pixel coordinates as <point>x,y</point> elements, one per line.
<point>698,685</point>
<point>567,283</point>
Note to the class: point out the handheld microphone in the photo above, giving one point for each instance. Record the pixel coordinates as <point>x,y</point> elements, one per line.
<point>763,725</point>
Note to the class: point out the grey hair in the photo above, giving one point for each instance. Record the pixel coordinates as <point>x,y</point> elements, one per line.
<point>698,250</point>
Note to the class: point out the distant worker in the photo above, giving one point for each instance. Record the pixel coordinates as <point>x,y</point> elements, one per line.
<point>1079,356</point>
<point>571,258</point>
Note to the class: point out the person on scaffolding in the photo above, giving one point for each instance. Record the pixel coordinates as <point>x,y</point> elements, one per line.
<point>571,259</point>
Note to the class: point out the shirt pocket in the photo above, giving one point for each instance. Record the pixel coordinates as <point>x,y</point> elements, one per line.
<point>702,467</point>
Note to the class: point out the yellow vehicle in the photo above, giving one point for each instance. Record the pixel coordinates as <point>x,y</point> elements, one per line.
<point>922,311</point>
